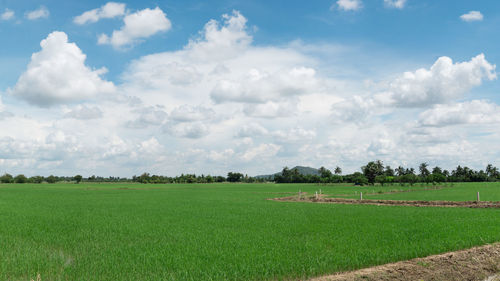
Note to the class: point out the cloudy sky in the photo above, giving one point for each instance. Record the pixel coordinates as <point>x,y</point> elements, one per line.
<point>166,87</point>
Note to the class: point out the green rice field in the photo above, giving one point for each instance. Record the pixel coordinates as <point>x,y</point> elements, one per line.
<point>225,231</point>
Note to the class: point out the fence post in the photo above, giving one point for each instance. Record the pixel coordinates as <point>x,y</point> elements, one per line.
<point>478,197</point>
<point>361,195</point>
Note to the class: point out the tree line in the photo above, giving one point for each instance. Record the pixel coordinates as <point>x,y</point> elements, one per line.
<point>371,173</point>
<point>376,172</point>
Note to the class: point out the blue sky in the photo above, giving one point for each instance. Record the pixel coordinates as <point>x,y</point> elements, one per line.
<point>192,86</point>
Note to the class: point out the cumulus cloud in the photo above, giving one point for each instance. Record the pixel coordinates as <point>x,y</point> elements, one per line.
<point>137,26</point>
<point>7,14</point>
<point>349,5</point>
<point>218,42</point>
<point>107,11</point>
<point>399,4</point>
<point>58,74</point>
<point>220,156</point>
<point>188,113</point>
<point>443,82</point>
<point>471,112</point>
<point>84,112</point>
<point>356,109</point>
<point>221,101</point>
<point>147,116</point>
<point>192,130</point>
<point>264,150</point>
<point>258,87</point>
<point>251,130</point>
<point>40,13</point>
<point>472,16</point>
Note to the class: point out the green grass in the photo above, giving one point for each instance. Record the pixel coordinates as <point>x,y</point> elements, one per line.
<point>218,232</point>
<point>489,191</point>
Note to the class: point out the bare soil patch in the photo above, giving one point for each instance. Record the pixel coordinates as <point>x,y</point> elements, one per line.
<point>478,263</point>
<point>379,202</point>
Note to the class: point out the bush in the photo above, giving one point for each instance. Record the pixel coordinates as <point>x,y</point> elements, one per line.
<point>21,179</point>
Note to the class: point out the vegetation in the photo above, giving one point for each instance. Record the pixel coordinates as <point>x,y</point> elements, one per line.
<point>127,231</point>
<point>373,172</point>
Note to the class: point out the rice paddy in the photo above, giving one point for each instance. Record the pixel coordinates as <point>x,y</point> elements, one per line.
<point>224,231</point>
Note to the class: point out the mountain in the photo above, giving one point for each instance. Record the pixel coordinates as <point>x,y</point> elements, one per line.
<point>302,170</point>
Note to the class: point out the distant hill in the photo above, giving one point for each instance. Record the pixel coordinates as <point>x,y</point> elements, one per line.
<point>302,170</point>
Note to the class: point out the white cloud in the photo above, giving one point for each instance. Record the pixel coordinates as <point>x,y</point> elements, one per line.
<point>138,26</point>
<point>445,81</point>
<point>192,130</point>
<point>7,14</point>
<point>40,13</point>
<point>356,109</point>
<point>471,112</point>
<point>107,11</point>
<point>188,113</point>
<point>349,5</point>
<point>251,130</point>
<point>84,112</point>
<point>258,87</point>
<point>219,42</point>
<point>58,74</point>
<point>262,151</point>
<point>472,16</point>
<point>292,104</point>
<point>220,156</point>
<point>148,116</point>
<point>399,4</point>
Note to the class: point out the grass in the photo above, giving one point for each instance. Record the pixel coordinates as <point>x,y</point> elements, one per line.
<point>217,232</point>
<point>489,191</point>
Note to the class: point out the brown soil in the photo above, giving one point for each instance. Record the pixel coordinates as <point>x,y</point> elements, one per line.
<point>400,191</point>
<point>479,263</point>
<point>414,203</point>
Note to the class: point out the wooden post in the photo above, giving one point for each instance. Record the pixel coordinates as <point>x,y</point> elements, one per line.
<point>478,197</point>
<point>361,195</point>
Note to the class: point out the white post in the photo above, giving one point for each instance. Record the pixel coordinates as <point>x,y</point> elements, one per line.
<point>478,197</point>
<point>316,195</point>
<point>361,196</point>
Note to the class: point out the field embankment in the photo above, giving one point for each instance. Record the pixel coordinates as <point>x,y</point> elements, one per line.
<point>475,264</point>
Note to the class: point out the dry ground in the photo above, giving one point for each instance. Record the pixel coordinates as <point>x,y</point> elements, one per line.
<point>479,263</point>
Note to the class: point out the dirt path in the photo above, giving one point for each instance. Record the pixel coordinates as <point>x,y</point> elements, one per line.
<point>379,202</point>
<point>479,263</point>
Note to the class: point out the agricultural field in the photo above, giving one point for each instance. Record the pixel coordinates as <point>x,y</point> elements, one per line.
<point>226,231</point>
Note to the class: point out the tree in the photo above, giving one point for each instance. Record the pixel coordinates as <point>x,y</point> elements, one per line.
<point>324,172</point>
<point>234,177</point>
<point>389,171</point>
<point>338,170</point>
<point>492,172</point>
<point>6,178</point>
<point>382,179</point>
<point>424,172</point>
<point>372,170</point>
<point>51,179</point>
<point>78,178</point>
<point>20,179</point>
<point>36,179</point>
<point>359,179</point>
<point>400,171</point>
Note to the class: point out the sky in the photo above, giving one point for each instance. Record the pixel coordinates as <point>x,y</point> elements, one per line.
<point>207,87</point>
